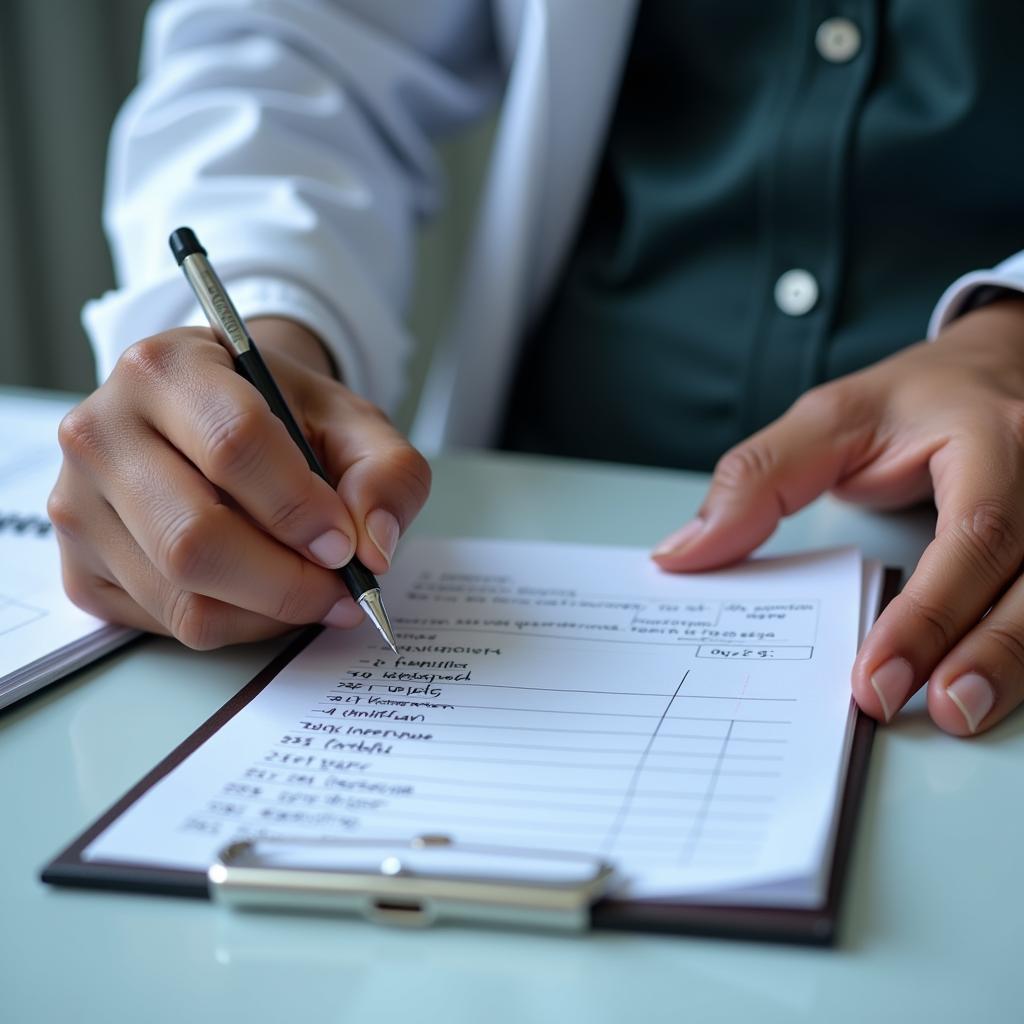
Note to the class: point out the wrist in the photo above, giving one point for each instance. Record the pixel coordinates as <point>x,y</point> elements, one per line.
<point>989,339</point>
<point>1011,301</point>
<point>1001,316</point>
<point>291,338</point>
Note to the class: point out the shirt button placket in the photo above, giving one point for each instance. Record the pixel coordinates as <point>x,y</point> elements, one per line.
<point>803,208</point>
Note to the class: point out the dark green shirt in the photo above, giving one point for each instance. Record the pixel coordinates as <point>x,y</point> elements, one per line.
<point>881,155</point>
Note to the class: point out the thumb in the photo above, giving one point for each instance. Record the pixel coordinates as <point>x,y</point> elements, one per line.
<point>772,474</point>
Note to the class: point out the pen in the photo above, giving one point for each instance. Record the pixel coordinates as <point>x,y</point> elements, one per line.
<point>231,332</point>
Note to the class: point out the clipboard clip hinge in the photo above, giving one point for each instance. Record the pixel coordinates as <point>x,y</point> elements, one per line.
<point>417,882</point>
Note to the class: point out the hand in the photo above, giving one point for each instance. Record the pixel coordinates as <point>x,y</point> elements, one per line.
<point>942,419</point>
<point>183,506</point>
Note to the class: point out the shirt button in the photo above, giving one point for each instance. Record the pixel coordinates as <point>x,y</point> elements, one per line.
<point>796,292</point>
<point>837,40</point>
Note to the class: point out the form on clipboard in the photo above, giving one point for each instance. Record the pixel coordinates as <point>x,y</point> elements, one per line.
<point>569,737</point>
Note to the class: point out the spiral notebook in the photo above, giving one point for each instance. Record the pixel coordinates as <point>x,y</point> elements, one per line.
<point>43,636</point>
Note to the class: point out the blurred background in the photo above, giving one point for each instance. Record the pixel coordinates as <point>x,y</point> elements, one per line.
<point>65,68</point>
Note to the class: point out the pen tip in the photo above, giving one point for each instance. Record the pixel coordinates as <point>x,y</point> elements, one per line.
<point>372,604</point>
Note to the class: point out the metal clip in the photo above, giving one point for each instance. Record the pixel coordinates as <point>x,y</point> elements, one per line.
<point>417,882</point>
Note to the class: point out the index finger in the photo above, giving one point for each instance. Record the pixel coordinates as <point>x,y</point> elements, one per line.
<point>225,427</point>
<point>976,553</point>
<point>772,474</point>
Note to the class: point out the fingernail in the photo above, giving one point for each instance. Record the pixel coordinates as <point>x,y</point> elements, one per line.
<point>892,682</point>
<point>383,529</point>
<point>332,549</point>
<point>974,696</point>
<point>344,615</point>
<point>678,540</point>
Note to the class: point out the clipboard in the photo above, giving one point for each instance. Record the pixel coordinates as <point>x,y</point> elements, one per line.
<point>414,881</point>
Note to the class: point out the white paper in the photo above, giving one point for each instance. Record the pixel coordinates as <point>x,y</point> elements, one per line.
<point>42,634</point>
<point>691,729</point>
<point>30,456</point>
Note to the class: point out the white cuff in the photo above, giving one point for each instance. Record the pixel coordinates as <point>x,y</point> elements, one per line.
<point>118,319</point>
<point>962,294</point>
<point>270,296</point>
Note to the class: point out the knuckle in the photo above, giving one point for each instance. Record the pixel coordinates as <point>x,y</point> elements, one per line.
<point>184,549</point>
<point>292,603</point>
<point>80,435</point>
<point>411,471</point>
<point>293,511</point>
<point>832,406</point>
<point>63,512</point>
<point>233,444</point>
<point>819,402</point>
<point>1015,420</point>
<point>146,360</point>
<point>825,404</point>
<point>83,591</point>
<point>991,534</point>
<point>1008,639</point>
<point>939,620</point>
<point>190,621</point>
<point>744,463</point>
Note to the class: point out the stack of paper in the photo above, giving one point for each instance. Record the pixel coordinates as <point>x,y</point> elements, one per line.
<point>693,730</point>
<point>43,636</point>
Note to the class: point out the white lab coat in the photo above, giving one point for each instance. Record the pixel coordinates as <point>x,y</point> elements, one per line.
<point>296,137</point>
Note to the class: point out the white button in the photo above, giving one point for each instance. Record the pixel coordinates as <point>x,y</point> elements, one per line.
<point>837,40</point>
<point>796,292</point>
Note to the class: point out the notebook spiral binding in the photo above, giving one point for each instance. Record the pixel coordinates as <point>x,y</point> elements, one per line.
<point>27,525</point>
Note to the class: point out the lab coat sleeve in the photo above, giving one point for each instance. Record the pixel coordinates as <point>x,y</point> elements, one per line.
<point>297,138</point>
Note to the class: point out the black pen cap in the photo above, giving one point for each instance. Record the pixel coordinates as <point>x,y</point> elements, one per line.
<point>184,243</point>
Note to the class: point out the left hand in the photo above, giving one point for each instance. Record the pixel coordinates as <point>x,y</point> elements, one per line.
<point>943,419</point>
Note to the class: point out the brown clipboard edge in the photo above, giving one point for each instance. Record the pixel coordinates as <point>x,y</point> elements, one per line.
<point>816,926</point>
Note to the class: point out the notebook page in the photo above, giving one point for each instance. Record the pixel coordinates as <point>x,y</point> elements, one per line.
<point>689,728</point>
<point>42,634</point>
<point>30,456</point>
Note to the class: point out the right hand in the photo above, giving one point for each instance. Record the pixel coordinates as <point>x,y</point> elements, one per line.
<point>184,508</point>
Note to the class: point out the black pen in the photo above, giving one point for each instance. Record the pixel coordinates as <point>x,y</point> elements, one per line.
<point>231,332</point>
